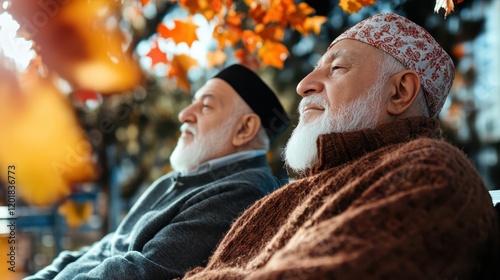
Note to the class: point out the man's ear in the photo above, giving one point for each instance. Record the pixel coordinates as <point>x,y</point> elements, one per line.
<point>247,128</point>
<point>404,89</point>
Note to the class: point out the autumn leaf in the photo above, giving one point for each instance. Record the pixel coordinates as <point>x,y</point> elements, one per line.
<point>157,55</point>
<point>273,54</point>
<point>79,43</point>
<point>301,20</point>
<point>233,19</point>
<point>40,121</point>
<point>208,8</point>
<point>247,59</point>
<point>353,6</point>
<point>257,12</point>
<point>270,32</point>
<point>313,24</point>
<point>179,68</point>
<point>75,213</point>
<point>251,40</point>
<point>216,58</point>
<point>277,12</point>
<point>297,15</point>
<point>226,37</point>
<point>183,31</point>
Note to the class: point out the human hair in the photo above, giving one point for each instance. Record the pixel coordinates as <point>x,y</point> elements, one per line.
<point>261,139</point>
<point>389,66</point>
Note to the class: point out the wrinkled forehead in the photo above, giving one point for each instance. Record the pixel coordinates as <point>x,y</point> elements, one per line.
<point>216,88</point>
<point>353,52</point>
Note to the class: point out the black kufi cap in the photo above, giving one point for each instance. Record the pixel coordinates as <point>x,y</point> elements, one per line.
<point>258,96</point>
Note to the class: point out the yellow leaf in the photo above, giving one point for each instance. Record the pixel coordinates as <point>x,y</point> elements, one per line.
<point>311,24</point>
<point>353,6</point>
<point>179,68</point>
<point>184,31</point>
<point>273,54</point>
<point>75,213</point>
<point>314,23</point>
<point>42,140</point>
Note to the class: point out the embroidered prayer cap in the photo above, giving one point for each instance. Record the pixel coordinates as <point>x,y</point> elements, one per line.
<point>413,46</point>
<point>261,99</point>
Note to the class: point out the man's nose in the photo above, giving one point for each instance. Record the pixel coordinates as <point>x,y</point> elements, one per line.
<point>309,85</point>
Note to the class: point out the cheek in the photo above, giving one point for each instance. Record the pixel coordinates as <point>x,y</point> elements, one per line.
<point>345,93</point>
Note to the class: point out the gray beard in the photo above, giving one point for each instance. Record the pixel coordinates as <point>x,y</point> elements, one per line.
<point>301,152</point>
<point>186,157</point>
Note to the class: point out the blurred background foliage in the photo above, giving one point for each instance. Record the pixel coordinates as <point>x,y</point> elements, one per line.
<point>90,90</point>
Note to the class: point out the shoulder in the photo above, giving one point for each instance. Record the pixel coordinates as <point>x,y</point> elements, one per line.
<point>235,181</point>
<point>434,164</point>
<point>257,177</point>
<point>433,152</point>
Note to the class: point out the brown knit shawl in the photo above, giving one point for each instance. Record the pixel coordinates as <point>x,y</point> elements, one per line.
<point>395,202</point>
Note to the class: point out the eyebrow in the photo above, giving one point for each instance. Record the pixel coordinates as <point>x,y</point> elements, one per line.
<point>330,56</point>
<point>203,97</point>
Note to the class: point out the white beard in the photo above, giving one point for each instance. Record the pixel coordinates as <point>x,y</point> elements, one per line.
<point>301,150</point>
<point>186,157</point>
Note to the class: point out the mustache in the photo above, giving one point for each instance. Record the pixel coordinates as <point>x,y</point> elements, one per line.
<point>186,127</point>
<point>315,100</point>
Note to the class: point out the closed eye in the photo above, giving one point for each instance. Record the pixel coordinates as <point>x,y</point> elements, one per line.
<point>335,68</point>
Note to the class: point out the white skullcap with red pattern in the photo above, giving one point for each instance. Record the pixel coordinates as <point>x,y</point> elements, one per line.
<point>413,46</point>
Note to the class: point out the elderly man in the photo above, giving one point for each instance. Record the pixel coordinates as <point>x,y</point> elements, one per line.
<point>220,169</point>
<point>381,196</point>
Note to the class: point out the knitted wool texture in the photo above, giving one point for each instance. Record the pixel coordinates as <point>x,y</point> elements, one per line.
<point>395,202</point>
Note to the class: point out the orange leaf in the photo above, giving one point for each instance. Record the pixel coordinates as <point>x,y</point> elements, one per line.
<point>157,55</point>
<point>301,20</point>
<point>251,40</point>
<point>353,6</point>
<point>75,213</point>
<point>226,37</point>
<point>208,8</point>
<point>311,24</point>
<point>270,32</point>
<point>297,15</point>
<point>257,12</point>
<point>276,12</point>
<point>81,44</point>
<point>184,31</point>
<point>179,68</point>
<point>273,54</point>
<point>233,19</point>
<point>215,58</point>
<point>246,59</point>
<point>145,2</point>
